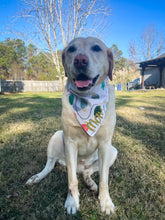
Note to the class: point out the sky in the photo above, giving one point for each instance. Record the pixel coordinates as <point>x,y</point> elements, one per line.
<point>129,19</point>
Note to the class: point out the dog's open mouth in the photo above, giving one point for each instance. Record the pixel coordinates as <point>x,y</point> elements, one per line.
<point>84,83</point>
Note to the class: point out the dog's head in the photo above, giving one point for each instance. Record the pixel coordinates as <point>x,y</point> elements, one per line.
<point>87,62</point>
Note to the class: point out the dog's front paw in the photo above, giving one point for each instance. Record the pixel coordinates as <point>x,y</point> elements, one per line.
<point>106,204</point>
<point>33,179</point>
<point>72,204</point>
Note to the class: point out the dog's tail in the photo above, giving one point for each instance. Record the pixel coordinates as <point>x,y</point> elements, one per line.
<point>55,152</point>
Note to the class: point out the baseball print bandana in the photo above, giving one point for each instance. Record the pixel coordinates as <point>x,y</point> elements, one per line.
<point>89,108</point>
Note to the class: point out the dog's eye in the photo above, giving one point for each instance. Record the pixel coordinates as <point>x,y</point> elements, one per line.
<point>71,49</point>
<point>96,48</point>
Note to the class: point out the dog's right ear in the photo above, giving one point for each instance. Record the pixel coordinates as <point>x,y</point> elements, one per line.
<point>63,60</point>
<point>111,63</point>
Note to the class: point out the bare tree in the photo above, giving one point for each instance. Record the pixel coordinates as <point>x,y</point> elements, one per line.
<point>55,22</point>
<point>150,45</point>
<point>133,51</point>
<point>152,41</point>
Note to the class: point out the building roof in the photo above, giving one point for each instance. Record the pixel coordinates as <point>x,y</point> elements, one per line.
<point>159,61</point>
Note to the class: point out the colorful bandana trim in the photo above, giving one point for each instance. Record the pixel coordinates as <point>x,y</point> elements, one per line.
<point>90,108</point>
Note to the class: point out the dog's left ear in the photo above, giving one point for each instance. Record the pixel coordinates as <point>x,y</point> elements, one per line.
<point>111,63</point>
<point>63,60</point>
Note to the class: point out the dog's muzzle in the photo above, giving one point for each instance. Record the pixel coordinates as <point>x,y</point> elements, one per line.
<point>83,82</point>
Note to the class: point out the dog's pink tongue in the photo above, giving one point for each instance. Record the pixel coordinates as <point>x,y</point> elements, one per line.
<point>81,84</point>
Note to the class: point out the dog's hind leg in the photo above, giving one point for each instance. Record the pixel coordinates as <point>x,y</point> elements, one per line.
<point>88,171</point>
<point>87,176</point>
<point>55,152</point>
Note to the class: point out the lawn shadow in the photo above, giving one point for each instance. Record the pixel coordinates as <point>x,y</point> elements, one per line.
<point>34,108</point>
<point>151,137</point>
<point>151,133</point>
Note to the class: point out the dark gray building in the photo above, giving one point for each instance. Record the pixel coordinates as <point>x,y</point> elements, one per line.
<point>153,72</point>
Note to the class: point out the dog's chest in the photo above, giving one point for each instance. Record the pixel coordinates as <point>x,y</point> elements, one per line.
<point>87,146</point>
<point>74,133</point>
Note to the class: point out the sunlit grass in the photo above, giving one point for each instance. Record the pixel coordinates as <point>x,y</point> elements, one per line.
<point>137,179</point>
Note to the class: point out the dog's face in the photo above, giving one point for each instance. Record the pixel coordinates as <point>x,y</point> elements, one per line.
<point>87,62</point>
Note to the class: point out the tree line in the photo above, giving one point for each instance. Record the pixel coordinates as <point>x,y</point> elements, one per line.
<point>21,62</point>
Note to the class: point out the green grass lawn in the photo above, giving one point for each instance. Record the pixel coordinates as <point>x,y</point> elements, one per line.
<point>137,179</point>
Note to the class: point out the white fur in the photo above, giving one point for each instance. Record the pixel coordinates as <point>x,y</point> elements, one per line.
<point>72,146</point>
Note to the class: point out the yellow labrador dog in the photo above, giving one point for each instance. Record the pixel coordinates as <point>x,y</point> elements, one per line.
<point>88,118</point>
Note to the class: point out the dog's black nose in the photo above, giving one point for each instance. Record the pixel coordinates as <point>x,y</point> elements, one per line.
<point>81,61</point>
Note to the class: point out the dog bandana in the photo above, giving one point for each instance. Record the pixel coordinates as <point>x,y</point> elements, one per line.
<point>90,108</point>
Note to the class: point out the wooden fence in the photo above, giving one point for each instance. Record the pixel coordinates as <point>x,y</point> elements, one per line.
<point>30,86</point>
